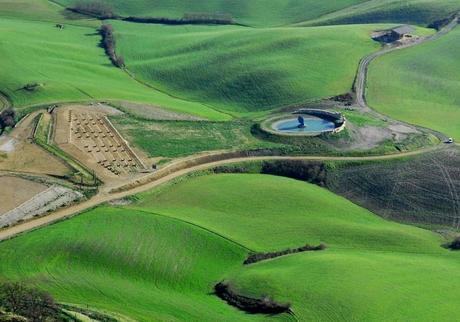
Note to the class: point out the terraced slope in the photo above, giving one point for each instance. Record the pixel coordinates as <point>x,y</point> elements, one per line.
<point>69,65</point>
<point>150,264</point>
<point>421,12</point>
<point>420,85</point>
<point>254,12</point>
<point>243,69</point>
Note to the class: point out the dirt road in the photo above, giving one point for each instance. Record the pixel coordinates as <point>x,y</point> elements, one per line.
<point>361,77</point>
<point>106,196</point>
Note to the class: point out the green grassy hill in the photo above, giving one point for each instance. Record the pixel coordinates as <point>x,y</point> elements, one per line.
<point>420,85</point>
<point>161,260</point>
<point>254,12</point>
<point>243,69</point>
<point>421,12</point>
<point>69,65</point>
<point>127,262</point>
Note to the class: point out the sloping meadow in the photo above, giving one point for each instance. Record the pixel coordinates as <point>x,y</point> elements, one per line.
<point>160,257</point>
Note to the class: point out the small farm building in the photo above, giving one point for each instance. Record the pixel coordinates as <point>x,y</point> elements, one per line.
<point>394,34</point>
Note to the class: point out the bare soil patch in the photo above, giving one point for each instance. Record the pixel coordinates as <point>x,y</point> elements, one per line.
<point>14,191</point>
<point>21,155</point>
<point>87,135</point>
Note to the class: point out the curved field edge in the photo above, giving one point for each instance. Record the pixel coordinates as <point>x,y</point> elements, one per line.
<point>68,65</point>
<point>245,208</point>
<point>165,268</point>
<point>419,85</point>
<point>131,263</point>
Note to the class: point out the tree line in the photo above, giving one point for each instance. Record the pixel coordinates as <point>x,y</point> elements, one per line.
<point>102,10</point>
<point>108,42</point>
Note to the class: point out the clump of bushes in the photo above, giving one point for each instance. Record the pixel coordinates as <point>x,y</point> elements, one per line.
<point>265,305</point>
<point>312,172</point>
<point>7,119</point>
<point>454,245</point>
<point>257,257</point>
<point>109,44</point>
<point>31,87</point>
<point>95,8</point>
<point>21,303</point>
<point>203,17</point>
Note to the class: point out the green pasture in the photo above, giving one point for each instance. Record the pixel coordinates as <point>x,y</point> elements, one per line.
<point>419,12</point>
<point>181,138</point>
<point>419,85</point>
<point>159,258</point>
<point>127,262</point>
<point>68,65</point>
<point>242,70</point>
<point>254,12</point>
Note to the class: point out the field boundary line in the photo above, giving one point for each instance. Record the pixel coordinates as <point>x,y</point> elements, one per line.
<point>194,225</point>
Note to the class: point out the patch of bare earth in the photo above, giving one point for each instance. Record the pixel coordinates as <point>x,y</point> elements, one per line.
<point>20,154</point>
<point>14,191</point>
<point>87,135</point>
<point>368,137</point>
<point>42,203</point>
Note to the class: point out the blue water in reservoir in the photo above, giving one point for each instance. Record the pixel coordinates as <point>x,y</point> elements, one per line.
<point>312,125</point>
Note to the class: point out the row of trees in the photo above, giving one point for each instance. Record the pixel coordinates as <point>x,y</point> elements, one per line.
<point>109,44</point>
<point>102,10</point>
<point>257,257</point>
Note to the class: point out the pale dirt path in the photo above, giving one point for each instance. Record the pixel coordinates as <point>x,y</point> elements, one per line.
<point>106,196</point>
<point>361,77</point>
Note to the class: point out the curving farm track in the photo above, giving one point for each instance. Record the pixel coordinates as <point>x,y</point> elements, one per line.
<point>165,175</point>
<point>361,77</point>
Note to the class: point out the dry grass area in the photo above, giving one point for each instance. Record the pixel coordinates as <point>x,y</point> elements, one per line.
<point>21,155</point>
<point>88,136</point>
<point>14,191</point>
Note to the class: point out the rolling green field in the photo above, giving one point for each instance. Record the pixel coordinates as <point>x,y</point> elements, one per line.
<point>159,258</point>
<point>69,65</point>
<point>281,12</point>
<point>245,70</point>
<point>254,12</point>
<point>420,12</point>
<point>420,85</point>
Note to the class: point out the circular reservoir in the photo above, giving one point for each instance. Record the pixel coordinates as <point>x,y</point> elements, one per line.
<point>306,122</point>
<point>312,125</point>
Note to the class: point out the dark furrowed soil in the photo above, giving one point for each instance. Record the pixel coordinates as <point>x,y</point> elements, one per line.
<point>424,189</point>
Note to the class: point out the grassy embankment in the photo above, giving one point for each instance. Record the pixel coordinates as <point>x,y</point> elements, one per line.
<point>159,258</point>
<point>420,85</point>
